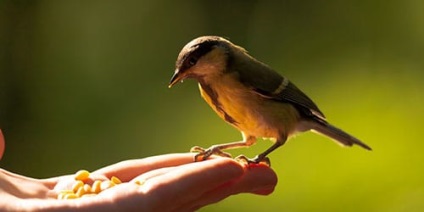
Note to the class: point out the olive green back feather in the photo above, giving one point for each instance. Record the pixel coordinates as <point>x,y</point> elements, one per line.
<point>265,82</point>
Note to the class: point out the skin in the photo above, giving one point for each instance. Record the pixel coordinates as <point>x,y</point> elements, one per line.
<point>166,178</point>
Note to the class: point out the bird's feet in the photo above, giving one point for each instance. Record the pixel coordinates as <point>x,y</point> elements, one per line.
<point>256,160</point>
<point>203,154</point>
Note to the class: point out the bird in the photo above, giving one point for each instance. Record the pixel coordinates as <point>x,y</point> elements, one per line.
<point>250,96</point>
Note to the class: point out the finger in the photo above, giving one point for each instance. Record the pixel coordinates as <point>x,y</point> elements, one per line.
<point>257,179</point>
<point>127,170</point>
<point>157,172</point>
<point>190,181</point>
<point>154,173</point>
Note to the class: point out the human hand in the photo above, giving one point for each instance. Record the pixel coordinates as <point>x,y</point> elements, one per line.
<point>172,182</point>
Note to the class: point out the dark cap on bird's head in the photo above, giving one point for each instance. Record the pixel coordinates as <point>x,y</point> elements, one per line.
<point>192,52</point>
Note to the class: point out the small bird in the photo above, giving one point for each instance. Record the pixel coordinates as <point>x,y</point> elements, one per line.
<point>250,96</point>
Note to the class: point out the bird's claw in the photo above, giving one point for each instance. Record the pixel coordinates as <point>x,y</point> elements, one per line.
<point>256,160</point>
<point>203,154</point>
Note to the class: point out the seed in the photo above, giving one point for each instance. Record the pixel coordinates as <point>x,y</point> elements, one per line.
<point>115,180</point>
<point>82,175</point>
<point>77,185</point>
<point>80,192</point>
<point>139,182</point>
<point>70,196</point>
<point>96,187</point>
<point>87,188</point>
<point>81,189</point>
<point>63,193</point>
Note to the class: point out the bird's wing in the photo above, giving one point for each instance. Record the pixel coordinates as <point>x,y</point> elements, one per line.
<point>269,84</point>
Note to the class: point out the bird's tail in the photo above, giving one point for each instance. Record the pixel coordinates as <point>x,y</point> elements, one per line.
<point>325,128</point>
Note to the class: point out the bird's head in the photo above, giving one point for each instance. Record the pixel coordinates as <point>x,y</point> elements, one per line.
<point>202,58</point>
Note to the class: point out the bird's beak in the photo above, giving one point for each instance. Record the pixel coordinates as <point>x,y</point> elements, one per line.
<point>175,78</point>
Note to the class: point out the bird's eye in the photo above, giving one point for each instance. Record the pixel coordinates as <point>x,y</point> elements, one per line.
<point>192,61</point>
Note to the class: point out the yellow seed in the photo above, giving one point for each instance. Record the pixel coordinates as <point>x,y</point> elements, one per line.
<point>139,182</point>
<point>115,180</point>
<point>61,195</point>
<point>80,192</point>
<point>77,185</point>
<point>87,188</point>
<point>96,187</point>
<point>106,184</point>
<point>70,196</point>
<point>82,175</point>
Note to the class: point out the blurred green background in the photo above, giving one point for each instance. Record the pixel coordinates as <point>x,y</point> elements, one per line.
<point>83,84</point>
